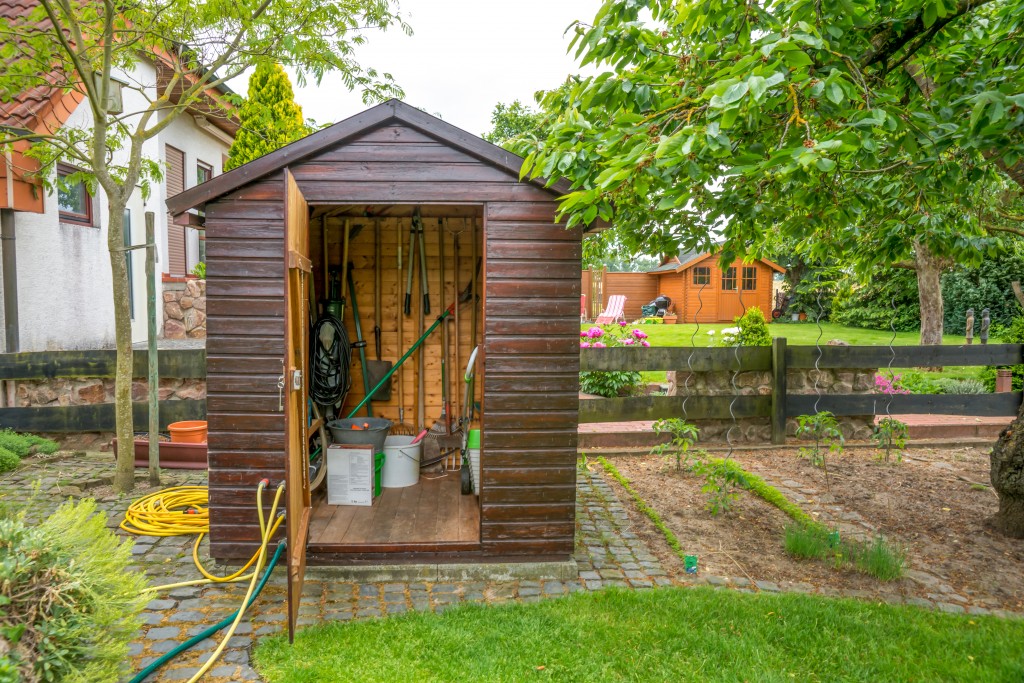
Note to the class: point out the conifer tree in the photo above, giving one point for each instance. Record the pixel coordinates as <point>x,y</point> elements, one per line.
<point>270,118</point>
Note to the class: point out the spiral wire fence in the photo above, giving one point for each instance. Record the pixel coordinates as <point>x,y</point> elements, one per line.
<point>817,346</point>
<point>693,349</point>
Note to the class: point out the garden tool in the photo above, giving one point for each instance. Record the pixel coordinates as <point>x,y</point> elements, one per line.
<point>417,221</point>
<point>359,343</point>
<point>401,428</point>
<point>412,261</point>
<point>377,369</point>
<point>465,476</point>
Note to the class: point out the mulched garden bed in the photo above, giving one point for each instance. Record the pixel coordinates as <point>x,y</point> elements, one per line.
<point>927,504</point>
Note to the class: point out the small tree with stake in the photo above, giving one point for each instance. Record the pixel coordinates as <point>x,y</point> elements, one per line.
<point>196,46</point>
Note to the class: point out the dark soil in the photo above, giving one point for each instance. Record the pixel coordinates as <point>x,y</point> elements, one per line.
<point>927,504</point>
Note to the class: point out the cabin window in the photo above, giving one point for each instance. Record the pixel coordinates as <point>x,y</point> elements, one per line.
<point>702,275</point>
<point>729,279</point>
<point>73,198</point>
<point>749,278</point>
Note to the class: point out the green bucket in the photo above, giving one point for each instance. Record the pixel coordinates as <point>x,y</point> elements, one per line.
<point>474,439</point>
<point>378,474</point>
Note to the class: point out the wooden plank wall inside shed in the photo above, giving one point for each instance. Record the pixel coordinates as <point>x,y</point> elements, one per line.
<point>245,349</point>
<point>532,321</point>
<point>392,299</point>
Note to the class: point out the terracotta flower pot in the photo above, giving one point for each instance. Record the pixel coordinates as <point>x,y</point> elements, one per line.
<point>173,456</point>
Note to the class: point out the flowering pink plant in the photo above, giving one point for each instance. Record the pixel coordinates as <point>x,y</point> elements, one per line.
<point>883,385</point>
<point>617,382</point>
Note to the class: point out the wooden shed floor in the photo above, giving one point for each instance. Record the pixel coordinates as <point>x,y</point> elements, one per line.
<point>432,513</point>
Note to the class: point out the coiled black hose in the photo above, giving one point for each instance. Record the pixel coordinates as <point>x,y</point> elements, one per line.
<point>330,377</point>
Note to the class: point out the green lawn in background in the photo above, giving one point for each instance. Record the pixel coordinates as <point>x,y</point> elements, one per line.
<point>669,634</point>
<point>798,334</point>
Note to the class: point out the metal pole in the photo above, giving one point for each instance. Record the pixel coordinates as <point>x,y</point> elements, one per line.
<point>154,367</point>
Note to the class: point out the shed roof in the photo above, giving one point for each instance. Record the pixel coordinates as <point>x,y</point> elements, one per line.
<point>387,113</point>
<point>687,258</point>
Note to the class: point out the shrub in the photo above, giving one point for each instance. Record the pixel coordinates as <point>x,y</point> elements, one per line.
<point>1012,334</point>
<point>890,385</point>
<point>8,460</point>
<point>23,445</point>
<point>69,605</point>
<point>753,328</point>
<point>870,305</point>
<point>984,286</point>
<point>610,384</point>
<point>964,385</point>
<point>200,270</point>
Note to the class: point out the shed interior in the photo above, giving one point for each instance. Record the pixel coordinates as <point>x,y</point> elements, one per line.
<point>432,515</point>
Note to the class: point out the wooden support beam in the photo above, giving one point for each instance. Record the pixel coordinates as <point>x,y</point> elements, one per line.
<point>649,408</point>
<point>94,417</point>
<point>981,405</point>
<point>804,357</point>
<point>779,390</point>
<point>176,363</point>
<point>675,358</point>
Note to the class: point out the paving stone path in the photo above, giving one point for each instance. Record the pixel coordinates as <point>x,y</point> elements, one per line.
<point>608,553</point>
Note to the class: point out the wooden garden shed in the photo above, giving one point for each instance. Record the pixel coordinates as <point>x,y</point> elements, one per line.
<point>273,231</point>
<point>701,290</point>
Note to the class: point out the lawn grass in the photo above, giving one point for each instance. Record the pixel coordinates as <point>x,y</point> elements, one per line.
<point>799,334</point>
<point>670,634</point>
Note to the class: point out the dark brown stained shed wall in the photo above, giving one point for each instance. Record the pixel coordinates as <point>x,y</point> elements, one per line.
<point>244,348</point>
<point>531,383</point>
<point>531,348</point>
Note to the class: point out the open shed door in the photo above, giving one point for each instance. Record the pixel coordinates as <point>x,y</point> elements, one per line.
<point>296,312</point>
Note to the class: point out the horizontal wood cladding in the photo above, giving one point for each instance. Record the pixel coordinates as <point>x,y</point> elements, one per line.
<point>530,350</point>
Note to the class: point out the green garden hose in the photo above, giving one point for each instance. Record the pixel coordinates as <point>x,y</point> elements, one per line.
<point>149,670</point>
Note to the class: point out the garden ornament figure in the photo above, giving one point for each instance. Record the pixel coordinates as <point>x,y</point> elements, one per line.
<point>985,322</point>
<point>970,325</point>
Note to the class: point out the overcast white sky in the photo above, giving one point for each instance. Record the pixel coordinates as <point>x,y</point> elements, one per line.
<point>465,56</point>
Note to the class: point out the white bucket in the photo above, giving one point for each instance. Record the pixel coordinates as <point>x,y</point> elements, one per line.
<point>474,468</point>
<point>401,462</point>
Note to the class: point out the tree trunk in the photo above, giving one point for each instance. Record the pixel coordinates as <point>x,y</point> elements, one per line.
<point>124,473</point>
<point>1007,474</point>
<point>929,292</point>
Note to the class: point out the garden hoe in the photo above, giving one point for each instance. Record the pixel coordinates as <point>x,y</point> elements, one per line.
<point>377,369</point>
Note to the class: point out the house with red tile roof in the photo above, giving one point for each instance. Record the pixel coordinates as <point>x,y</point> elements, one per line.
<point>54,259</point>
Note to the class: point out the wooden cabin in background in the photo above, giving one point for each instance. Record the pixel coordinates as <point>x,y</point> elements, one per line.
<point>700,290</point>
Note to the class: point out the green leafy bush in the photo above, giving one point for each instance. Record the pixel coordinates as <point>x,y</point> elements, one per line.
<point>684,435</point>
<point>611,383</point>
<point>753,328</point>
<point>8,460</point>
<point>199,270</point>
<point>1011,334</point>
<point>983,286</point>
<point>68,605</point>
<point>24,445</point>
<point>961,385</point>
<point>869,305</point>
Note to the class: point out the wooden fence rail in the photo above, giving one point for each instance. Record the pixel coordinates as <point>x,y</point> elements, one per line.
<point>36,366</point>
<point>782,403</point>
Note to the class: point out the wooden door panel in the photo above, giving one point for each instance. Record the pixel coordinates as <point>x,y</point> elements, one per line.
<point>297,271</point>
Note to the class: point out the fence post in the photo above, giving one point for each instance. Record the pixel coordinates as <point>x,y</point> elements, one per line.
<point>779,390</point>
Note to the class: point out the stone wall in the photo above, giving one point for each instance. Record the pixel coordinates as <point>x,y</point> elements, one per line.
<point>759,383</point>
<point>87,391</point>
<point>185,309</point>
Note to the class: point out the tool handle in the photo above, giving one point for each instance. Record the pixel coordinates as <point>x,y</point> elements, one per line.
<point>408,303</point>
<point>426,304</point>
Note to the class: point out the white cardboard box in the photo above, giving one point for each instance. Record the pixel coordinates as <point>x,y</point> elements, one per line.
<point>349,475</point>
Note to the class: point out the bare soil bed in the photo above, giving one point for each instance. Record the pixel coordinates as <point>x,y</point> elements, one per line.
<point>927,504</point>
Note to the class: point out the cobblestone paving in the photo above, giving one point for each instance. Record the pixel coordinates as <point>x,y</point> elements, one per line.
<point>607,553</point>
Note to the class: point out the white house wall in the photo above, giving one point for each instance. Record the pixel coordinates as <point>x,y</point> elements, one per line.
<point>65,296</point>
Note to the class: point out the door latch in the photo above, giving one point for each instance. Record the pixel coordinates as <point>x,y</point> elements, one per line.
<point>296,380</point>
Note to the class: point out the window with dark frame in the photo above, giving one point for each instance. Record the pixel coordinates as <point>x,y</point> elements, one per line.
<point>701,275</point>
<point>204,172</point>
<point>729,279</point>
<point>73,199</point>
<point>749,282</point>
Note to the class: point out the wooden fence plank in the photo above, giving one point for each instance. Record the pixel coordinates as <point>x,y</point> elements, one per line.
<point>905,356</point>
<point>95,417</point>
<point>34,365</point>
<point>675,358</point>
<point>779,390</point>
<point>644,408</point>
<point>981,405</point>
